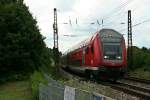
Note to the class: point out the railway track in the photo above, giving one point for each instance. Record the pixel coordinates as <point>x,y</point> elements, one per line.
<point>138,80</point>
<point>137,91</point>
<point>132,89</point>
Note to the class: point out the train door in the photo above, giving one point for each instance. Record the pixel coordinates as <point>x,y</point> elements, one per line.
<point>87,56</point>
<point>92,55</point>
<point>83,57</point>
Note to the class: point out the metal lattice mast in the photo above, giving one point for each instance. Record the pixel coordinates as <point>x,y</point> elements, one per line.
<point>55,29</point>
<point>129,52</point>
<point>55,48</point>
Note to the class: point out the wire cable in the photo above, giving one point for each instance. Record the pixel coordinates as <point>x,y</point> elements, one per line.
<point>135,25</point>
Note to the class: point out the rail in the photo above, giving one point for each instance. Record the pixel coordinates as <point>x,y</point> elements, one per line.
<point>138,80</point>
<point>131,89</point>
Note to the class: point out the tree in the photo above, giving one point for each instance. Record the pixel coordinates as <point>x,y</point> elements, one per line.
<point>22,48</point>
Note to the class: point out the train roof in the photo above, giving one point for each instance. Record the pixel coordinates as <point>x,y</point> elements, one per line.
<point>81,44</point>
<point>107,32</point>
<point>103,33</point>
<point>110,35</point>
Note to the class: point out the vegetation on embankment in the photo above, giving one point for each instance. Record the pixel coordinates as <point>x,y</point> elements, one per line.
<point>141,63</point>
<point>23,53</point>
<point>142,72</point>
<point>19,90</point>
<point>38,77</point>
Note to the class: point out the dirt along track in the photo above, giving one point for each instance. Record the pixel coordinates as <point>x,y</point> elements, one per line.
<point>133,90</point>
<point>137,91</point>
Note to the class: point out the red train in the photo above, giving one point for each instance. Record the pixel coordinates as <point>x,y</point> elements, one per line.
<point>103,55</point>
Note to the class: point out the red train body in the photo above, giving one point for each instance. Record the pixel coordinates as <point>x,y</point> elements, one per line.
<point>102,55</point>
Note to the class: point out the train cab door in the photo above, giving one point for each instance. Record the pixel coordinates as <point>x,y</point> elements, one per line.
<point>92,55</point>
<point>87,56</point>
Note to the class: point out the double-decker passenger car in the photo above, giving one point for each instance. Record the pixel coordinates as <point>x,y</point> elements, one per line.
<point>103,55</point>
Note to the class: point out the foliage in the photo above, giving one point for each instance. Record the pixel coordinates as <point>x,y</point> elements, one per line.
<point>141,63</point>
<point>22,49</point>
<point>141,57</point>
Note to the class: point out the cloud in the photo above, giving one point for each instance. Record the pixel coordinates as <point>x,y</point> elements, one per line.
<point>113,12</point>
<point>65,5</point>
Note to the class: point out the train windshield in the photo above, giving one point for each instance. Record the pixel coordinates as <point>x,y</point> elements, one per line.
<point>111,43</point>
<point>112,52</point>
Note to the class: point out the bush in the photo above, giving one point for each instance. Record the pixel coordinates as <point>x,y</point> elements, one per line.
<point>13,76</point>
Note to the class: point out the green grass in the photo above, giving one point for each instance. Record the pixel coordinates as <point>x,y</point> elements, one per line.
<point>19,90</point>
<point>143,72</point>
<point>36,79</point>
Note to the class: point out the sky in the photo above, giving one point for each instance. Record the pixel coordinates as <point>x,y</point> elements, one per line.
<point>112,12</point>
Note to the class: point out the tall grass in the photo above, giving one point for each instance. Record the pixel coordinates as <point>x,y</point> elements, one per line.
<point>142,72</point>
<point>37,78</point>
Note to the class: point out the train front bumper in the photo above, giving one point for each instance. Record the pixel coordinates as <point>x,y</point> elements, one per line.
<point>112,73</point>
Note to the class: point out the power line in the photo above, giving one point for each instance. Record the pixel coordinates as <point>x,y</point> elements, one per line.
<point>108,15</point>
<point>97,21</point>
<point>135,25</point>
<point>141,22</point>
<point>111,23</point>
<point>118,9</point>
<point>112,13</point>
<point>115,11</point>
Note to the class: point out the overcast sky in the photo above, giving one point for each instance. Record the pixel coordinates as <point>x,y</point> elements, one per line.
<point>113,13</point>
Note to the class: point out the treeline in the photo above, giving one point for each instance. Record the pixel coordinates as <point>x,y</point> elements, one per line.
<point>141,57</point>
<point>22,49</point>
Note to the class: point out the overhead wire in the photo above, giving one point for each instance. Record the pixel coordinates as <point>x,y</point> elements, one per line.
<point>114,11</point>
<point>137,24</point>
<point>114,22</point>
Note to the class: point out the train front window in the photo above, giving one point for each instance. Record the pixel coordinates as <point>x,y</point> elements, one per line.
<point>112,52</point>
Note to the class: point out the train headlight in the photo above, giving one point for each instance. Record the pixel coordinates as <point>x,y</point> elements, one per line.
<point>118,57</point>
<point>106,57</point>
